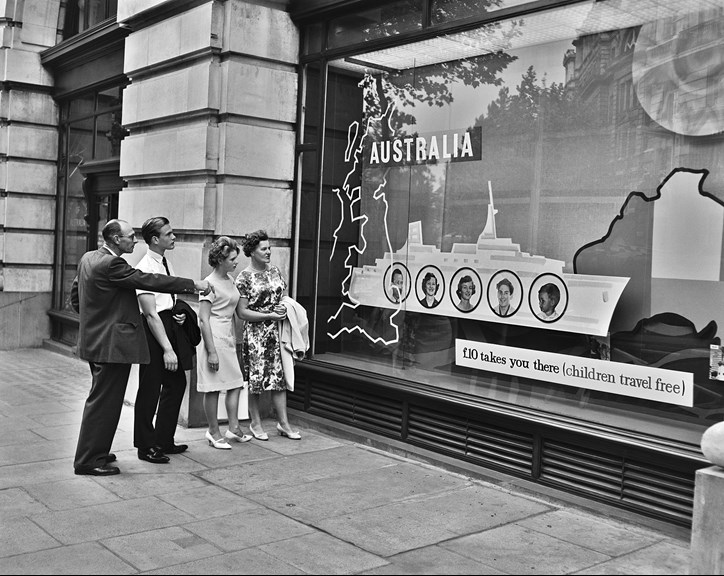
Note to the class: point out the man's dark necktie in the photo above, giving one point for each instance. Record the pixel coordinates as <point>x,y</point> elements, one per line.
<point>165,265</point>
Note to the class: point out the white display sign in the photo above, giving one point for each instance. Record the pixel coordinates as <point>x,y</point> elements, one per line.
<point>669,386</point>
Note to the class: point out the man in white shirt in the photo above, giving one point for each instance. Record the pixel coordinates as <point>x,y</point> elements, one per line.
<point>162,382</point>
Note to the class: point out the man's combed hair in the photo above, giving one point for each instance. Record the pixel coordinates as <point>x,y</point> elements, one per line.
<point>111,228</point>
<point>152,227</point>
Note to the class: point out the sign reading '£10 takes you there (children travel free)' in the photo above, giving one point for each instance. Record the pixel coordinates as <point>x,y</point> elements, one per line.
<point>669,386</point>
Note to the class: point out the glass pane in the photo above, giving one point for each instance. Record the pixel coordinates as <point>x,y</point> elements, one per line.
<point>80,144</point>
<point>388,20</point>
<point>76,231</point>
<point>110,98</point>
<point>109,133</point>
<point>97,11</point>
<point>312,86</point>
<point>549,187</point>
<point>450,10</point>
<point>82,107</point>
<point>306,232</point>
<point>313,36</point>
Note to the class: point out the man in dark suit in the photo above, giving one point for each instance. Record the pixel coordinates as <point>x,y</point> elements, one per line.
<point>111,337</point>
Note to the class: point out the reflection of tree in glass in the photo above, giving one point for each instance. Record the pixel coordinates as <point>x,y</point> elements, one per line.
<point>447,10</point>
<point>534,102</point>
<point>390,100</point>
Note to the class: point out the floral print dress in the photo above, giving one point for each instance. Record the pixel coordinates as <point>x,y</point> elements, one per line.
<point>261,360</point>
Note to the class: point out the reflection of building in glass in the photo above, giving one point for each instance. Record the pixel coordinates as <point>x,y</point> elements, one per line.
<point>648,83</point>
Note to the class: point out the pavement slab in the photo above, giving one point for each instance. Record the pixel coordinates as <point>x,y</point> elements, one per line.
<point>424,521</point>
<point>518,550</point>
<point>36,473</point>
<point>249,561</point>
<point>209,457</point>
<point>432,560</point>
<point>37,451</point>
<point>319,553</point>
<point>78,492</point>
<point>254,528</point>
<point>20,535</point>
<point>112,519</point>
<point>263,475</point>
<point>160,548</point>
<point>209,502</point>
<point>130,486</point>
<point>311,502</point>
<point>17,502</point>
<point>86,558</point>
<point>612,539</point>
<point>14,437</point>
<point>660,558</point>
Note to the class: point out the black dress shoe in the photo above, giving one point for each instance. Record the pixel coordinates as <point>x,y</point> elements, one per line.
<point>153,455</point>
<point>104,470</point>
<point>110,458</point>
<point>175,449</point>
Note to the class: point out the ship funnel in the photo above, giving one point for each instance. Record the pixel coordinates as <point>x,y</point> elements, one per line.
<point>489,231</point>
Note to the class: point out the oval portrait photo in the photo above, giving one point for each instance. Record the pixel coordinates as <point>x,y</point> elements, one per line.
<point>505,293</point>
<point>465,290</point>
<point>430,286</point>
<point>548,297</point>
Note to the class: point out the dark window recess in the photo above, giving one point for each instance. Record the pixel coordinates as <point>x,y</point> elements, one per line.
<point>83,14</point>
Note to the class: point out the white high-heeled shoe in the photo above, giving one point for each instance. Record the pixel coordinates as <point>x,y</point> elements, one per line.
<point>220,444</point>
<point>263,436</point>
<point>229,435</point>
<point>290,435</point>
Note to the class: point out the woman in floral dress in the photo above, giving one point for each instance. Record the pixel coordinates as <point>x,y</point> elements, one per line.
<point>262,286</point>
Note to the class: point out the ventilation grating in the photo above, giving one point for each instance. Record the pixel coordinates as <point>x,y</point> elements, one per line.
<point>663,491</point>
<point>657,491</point>
<point>295,399</point>
<point>473,441</point>
<point>361,409</point>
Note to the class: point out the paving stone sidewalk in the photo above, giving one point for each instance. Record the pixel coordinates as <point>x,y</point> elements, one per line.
<point>322,505</point>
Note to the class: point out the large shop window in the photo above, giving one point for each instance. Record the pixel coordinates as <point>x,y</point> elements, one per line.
<point>532,213</point>
<point>88,181</point>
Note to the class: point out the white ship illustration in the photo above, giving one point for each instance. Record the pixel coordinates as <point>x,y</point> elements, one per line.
<point>587,302</point>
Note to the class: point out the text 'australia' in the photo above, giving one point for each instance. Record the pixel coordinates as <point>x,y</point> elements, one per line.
<point>454,146</point>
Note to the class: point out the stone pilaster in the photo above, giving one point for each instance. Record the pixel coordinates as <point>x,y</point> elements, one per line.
<point>211,110</point>
<point>28,156</point>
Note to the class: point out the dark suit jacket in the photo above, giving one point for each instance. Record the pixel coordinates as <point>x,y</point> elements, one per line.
<point>184,337</point>
<point>104,293</point>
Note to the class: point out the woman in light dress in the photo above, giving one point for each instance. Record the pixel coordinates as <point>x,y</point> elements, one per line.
<point>262,286</point>
<point>217,363</point>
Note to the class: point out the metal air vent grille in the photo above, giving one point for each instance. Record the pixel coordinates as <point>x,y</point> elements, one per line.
<point>361,409</point>
<point>476,442</point>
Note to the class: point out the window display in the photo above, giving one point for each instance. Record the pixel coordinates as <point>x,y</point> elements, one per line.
<point>532,212</point>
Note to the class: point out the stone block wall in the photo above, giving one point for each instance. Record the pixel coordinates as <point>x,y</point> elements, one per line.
<point>211,111</point>
<point>28,156</point>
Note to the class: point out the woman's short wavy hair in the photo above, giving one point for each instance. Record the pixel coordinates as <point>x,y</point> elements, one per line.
<point>252,240</point>
<point>220,250</point>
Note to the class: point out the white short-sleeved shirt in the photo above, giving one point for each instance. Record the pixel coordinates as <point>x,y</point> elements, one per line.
<point>152,262</point>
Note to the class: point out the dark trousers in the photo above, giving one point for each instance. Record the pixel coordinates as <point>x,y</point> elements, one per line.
<point>101,414</point>
<point>160,392</point>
